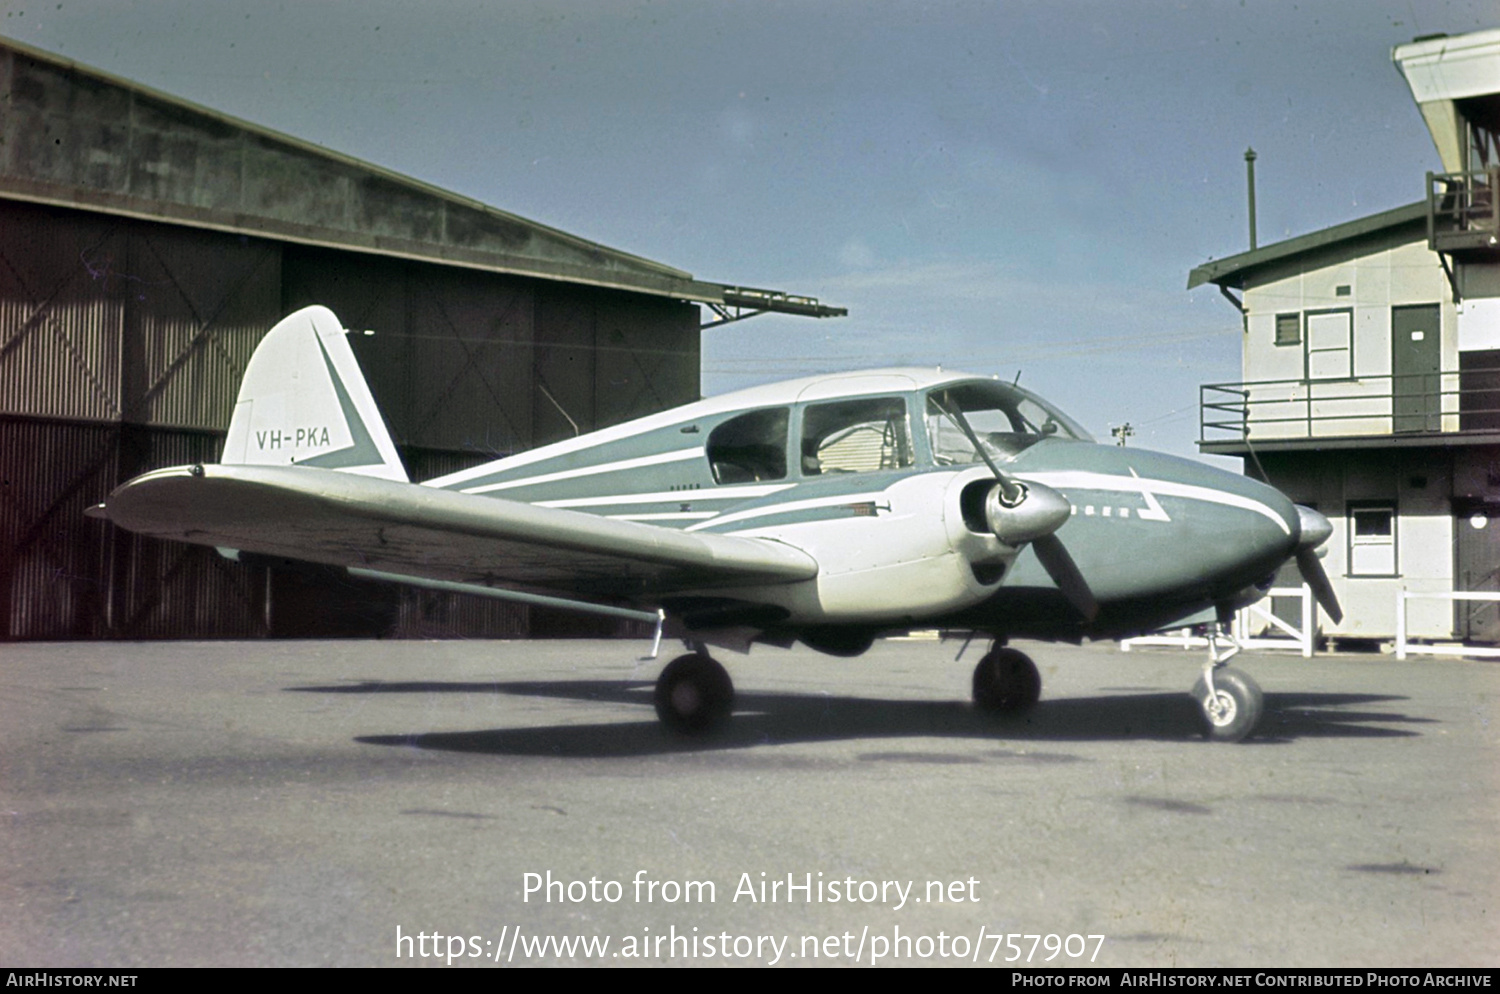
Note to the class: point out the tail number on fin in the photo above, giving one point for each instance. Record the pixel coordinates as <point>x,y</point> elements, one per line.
<point>302,438</point>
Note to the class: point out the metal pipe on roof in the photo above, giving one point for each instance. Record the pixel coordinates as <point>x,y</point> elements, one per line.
<point>1250,180</point>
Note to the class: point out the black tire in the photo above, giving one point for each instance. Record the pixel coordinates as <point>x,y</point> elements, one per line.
<point>694,695</point>
<point>1237,710</point>
<point>1006,682</point>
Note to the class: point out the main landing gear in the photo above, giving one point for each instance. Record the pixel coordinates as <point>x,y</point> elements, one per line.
<point>1006,682</point>
<point>1231,701</point>
<point>694,694</point>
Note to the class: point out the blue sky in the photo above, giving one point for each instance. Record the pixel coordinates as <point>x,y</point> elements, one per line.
<point>991,186</point>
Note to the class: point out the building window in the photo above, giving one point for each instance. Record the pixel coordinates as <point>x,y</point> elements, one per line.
<point>1372,539</point>
<point>1330,344</point>
<point>1289,329</point>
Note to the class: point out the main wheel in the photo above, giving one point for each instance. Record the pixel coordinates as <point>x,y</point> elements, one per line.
<point>1006,682</point>
<point>694,695</point>
<point>1234,710</point>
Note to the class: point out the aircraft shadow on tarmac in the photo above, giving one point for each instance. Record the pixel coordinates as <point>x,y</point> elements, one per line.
<point>763,718</point>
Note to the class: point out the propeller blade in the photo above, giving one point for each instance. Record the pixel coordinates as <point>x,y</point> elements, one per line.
<point>1322,590</point>
<point>1054,557</point>
<point>1013,522</point>
<point>1012,492</point>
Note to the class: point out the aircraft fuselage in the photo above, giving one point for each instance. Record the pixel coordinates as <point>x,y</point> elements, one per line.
<point>870,475</point>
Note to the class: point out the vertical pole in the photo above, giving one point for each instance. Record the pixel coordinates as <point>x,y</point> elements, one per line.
<point>1400,623</point>
<point>1250,181</point>
<point>1309,615</point>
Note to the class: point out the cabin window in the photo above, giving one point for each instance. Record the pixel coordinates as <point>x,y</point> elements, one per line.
<point>855,436</point>
<point>1372,539</point>
<point>1006,420</point>
<point>750,447</point>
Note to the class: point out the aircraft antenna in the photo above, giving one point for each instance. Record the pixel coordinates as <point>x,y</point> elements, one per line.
<point>548,394</point>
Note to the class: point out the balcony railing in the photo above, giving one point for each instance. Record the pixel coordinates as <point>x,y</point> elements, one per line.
<point>1419,403</point>
<point>1463,212</point>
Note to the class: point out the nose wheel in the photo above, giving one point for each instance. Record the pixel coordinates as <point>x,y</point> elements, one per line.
<point>1006,682</point>
<point>1231,702</point>
<point>694,695</point>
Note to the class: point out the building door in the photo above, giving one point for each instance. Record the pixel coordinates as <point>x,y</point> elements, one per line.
<point>1416,363</point>
<point>1476,529</point>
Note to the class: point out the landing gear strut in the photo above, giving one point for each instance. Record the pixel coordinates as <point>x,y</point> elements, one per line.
<point>1231,701</point>
<point>694,694</point>
<point>1006,682</point>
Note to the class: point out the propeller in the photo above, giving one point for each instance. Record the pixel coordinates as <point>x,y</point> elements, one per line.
<point>1315,529</point>
<point>1020,512</point>
<point>1053,556</point>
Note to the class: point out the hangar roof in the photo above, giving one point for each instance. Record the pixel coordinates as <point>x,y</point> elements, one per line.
<point>74,136</point>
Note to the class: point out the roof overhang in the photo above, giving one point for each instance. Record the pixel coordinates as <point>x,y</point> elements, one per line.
<point>1235,270</point>
<point>80,138</point>
<point>1405,440</point>
<point>1444,68</point>
<point>1452,79</point>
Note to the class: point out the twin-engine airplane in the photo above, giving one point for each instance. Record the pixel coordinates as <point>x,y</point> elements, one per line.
<point>825,510</point>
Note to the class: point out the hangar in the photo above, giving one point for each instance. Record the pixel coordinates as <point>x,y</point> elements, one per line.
<point>147,243</point>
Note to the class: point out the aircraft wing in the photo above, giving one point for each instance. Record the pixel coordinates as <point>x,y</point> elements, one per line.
<point>351,520</point>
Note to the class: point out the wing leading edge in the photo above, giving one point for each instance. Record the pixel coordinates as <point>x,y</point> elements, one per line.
<point>349,520</point>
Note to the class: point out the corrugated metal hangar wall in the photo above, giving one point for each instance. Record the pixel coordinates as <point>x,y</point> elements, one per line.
<point>145,247</point>
<point>122,343</point>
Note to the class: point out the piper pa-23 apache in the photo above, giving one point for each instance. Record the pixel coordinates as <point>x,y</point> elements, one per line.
<point>825,510</point>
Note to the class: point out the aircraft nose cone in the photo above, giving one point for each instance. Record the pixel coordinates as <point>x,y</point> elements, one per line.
<point>1315,528</point>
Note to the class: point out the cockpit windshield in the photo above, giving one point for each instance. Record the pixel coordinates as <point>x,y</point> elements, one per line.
<point>1005,418</point>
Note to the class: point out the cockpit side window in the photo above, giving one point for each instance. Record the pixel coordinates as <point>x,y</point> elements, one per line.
<point>855,436</point>
<point>1006,419</point>
<point>750,447</point>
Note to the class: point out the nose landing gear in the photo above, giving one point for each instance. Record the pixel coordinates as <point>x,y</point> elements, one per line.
<point>1231,701</point>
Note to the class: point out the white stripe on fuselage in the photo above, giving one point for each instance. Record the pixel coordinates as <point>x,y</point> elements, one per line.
<point>668,496</point>
<point>1148,490</point>
<point>604,467</point>
<point>676,516</point>
<point>786,507</point>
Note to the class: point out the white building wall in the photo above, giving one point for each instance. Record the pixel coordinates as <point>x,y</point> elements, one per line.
<point>1418,487</point>
<point>1479,325</point>
<point>1368,287</point>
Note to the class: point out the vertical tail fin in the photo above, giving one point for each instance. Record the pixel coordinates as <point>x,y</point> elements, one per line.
<point>304,402</point>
